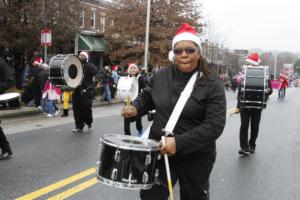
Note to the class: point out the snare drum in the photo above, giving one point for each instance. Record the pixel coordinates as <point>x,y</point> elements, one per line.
<point>127,86</point>
<point>65,70</point>
<point>128,161</point>
<point>10,100</point>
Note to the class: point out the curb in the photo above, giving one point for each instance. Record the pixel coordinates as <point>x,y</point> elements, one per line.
<point>24,110</point>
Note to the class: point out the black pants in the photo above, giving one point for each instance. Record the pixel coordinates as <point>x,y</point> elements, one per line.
<point>249,115</point>
<point>82,109</point>
<point>193,176</point>
<point>4,144</point>
<point>138,124</point>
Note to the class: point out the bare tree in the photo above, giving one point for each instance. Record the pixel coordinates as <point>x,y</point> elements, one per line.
<point>22,20</point>
<point>126,33</point>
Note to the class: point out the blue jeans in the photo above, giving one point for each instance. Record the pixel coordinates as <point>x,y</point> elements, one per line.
<point>106,92</point>
<point>51,107</point>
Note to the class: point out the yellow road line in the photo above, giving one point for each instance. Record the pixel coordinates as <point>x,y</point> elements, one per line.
<point>74,190</point>
<point>57,185</point>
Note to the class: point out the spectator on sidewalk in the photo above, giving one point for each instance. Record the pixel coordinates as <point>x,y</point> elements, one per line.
<point>6,82</point>
<point>106,96</point>
<point>51,94</point>
<point>115,78</point>
<point>67,94</point>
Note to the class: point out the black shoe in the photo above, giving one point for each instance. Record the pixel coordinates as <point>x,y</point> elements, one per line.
<point>90,127</point>
<point>244,152</point>
<point>5,155</point>
<point>77,130</point>
<point>251,149</point>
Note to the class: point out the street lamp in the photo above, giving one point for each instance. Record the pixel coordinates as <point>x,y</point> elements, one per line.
<point>147,36</point>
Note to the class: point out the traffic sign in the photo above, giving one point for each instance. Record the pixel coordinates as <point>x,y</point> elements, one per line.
<point>46,37</point>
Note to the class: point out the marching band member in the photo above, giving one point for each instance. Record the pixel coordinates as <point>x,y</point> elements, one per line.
<point>6,82</point>
<point>192,149</point>
<point>83,95</point>
<point>250,114</point>
<point>133,72</point>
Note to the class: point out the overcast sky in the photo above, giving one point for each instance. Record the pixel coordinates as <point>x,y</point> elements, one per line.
<point>264,24</point>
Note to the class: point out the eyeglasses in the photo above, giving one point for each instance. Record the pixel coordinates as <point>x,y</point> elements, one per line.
<point>188,50</point>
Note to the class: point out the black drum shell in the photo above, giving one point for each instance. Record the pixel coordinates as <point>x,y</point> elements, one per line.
<point>130,161</point>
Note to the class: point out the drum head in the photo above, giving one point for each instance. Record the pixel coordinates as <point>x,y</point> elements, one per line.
<point>73,71</point>
<point>130,142</point>
<point>128,86</point>
<point>9,96</point>
<point>66,70</point>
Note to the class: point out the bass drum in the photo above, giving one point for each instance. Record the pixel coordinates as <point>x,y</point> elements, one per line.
<point>10,100</point>
<point>66,70</point>
<point>127,86</point>
<point>128,162</point>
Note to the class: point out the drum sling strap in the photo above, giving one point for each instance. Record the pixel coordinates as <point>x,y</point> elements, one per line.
<point>185,94</point>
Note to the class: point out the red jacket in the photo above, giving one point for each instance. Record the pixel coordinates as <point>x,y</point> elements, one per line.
<point>283,82</point>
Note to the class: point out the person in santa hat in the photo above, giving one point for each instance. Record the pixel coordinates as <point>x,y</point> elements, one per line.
<point>248,115</point>
<point>133,72</point>
<point>282,86</point>
<point>192,148</point>
<point>84,94</point>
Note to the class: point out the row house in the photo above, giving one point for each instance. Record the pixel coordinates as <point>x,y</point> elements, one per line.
<point>91,36</point>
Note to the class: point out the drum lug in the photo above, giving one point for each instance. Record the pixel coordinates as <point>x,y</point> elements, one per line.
<point>114,174</point>
<point>148,159</point>
<point>158,157</point>
<point>145,177</point>
<point>156,173</point>
<point>117,155</point>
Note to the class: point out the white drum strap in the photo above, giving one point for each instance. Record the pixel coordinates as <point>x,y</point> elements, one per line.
<point>184,96</point>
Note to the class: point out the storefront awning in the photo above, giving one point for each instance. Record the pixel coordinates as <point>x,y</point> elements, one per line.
<point>91,43</point>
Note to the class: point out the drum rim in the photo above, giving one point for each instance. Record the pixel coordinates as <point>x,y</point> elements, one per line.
<point>12,98</point>
<point>126,147</point>
<point>122,185</point>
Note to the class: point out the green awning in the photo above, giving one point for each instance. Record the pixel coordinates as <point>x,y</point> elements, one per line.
<point>91,43</point>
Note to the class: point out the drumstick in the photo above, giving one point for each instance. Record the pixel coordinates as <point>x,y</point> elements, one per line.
<point>127,101</point>
<point>170,187</point>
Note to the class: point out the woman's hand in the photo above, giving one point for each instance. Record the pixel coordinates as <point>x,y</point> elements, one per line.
<point>169,146</point>
<point>129,111</point>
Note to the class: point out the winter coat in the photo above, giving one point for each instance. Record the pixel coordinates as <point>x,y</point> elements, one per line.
<point>51,92</point>
<point>203,117</point>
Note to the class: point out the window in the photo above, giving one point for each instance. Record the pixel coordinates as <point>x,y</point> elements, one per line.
<point>93,18</point>
<point>102,24</point>
<point>82,19</point>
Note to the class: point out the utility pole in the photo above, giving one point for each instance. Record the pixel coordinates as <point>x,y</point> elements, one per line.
<point>147,36</point>
<point>275,65</point>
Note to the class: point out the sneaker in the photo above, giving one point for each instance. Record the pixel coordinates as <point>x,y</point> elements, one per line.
<point>5,156</point>
<point>57,112</point>
<point>140,133</point>
<point>252,149</point>
<point>49,115</point>
<point>243,152</point>
<point>90,127</point>
<point>77,130</point>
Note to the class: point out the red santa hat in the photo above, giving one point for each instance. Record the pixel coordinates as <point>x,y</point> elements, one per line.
<point>85,54</point>
<point>185,33</point>
<point>253,59</point>
<point>38,60</point>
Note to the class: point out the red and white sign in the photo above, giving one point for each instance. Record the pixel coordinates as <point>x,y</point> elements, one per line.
<point>46,37</point>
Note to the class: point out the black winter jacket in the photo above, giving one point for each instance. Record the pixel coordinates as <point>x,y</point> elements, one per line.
<point>202,120</point>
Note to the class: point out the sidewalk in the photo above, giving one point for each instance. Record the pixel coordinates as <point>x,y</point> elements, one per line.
<point>25,110</point>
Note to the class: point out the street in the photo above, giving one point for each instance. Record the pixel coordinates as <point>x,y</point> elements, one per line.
<point>51,162</point>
